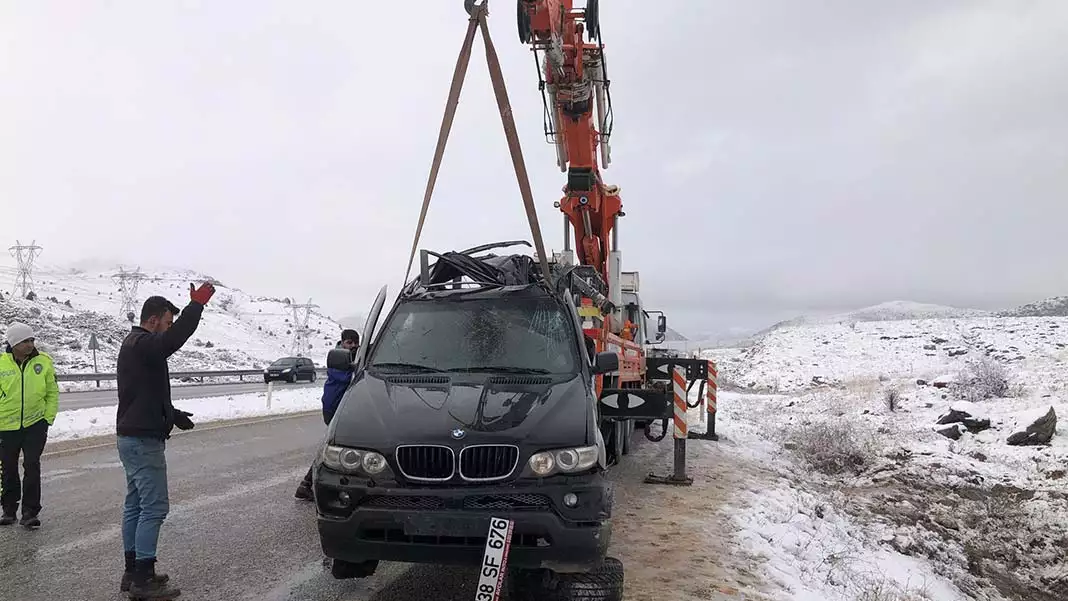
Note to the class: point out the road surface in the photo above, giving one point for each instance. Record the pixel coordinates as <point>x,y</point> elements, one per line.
<point>236,533</point>
<point>107,398</point>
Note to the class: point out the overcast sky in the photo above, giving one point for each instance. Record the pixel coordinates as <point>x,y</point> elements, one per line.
<point>773,157</point>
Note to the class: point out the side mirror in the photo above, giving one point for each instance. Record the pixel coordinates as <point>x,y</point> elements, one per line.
<point>661,324</point>
<point>606,361</point>
<point>339,358</point>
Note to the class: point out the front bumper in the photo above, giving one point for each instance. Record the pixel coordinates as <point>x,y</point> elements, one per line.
<point>448,525</point>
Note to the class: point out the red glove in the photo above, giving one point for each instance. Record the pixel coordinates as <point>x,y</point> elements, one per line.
<point>203,294</point>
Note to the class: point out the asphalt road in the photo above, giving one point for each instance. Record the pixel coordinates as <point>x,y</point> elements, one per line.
<point>234,533</point>
<point>107,398</point>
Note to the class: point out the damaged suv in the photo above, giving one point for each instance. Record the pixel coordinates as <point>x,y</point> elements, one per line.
<point>475,399</point>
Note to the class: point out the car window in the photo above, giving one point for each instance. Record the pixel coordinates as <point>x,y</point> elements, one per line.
<point>493,333</point>
<point>287,362</point>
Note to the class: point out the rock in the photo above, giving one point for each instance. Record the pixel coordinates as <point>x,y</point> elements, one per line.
<point>921,382</point>
<point>938,340</point>
<point>1056,474</point>
<point>953,432</point>
<point>953,417</point>
<point>977,456</point>
<point>957,352</point>
<point>941,384</point>
<point>976,426</point>
<point>930,347</point>
<point>1039,432</point>
<point>967,414</point>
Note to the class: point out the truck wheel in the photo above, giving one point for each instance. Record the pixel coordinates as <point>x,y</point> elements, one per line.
<point>345,570</point>
<point>604,583</point>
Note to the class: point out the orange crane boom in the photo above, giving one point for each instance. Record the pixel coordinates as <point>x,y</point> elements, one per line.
<point>572,75</point>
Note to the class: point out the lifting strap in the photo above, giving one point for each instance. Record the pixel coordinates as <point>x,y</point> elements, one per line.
<point>477,19</point>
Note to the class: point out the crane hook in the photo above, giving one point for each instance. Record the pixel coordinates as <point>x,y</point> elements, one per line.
<point>469,6</point>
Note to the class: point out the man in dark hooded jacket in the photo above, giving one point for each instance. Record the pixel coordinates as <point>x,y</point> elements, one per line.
<point>337,381</point>
<point>144,421</point>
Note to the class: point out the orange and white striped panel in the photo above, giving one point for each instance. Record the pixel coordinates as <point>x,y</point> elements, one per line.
<point>678,379</point>
<point>713,383</point>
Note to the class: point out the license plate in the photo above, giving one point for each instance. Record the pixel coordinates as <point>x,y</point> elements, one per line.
<point>494,560</point>
<point>419,525</point>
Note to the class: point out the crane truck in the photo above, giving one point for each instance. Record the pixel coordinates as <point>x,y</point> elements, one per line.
<point>487,408</point>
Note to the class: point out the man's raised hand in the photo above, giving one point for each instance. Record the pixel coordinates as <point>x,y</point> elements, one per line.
<point>203,294</point>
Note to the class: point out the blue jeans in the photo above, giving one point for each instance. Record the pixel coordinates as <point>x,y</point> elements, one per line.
<point>147,502</point>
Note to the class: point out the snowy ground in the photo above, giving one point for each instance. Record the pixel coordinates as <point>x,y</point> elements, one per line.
<point>843,498</point>
<point>238,331</point>
<point>97,421</point>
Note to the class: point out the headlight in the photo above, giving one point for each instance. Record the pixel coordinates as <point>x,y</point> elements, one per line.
<point>345,459</point>
<point>373,463</point>
<point>288,369</point>
<point>568,461</point>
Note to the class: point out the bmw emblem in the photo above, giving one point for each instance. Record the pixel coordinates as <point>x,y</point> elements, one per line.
<point>458,433</point>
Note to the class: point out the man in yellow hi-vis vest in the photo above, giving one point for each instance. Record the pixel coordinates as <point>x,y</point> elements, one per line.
<point>29,401</point>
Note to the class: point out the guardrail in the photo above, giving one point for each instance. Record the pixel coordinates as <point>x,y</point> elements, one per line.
<point>181,375</point>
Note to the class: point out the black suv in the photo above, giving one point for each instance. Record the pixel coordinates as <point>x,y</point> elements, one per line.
<point>474,401</point>
<point>290,369</point>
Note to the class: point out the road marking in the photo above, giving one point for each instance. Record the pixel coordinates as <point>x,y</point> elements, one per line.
<point>112,533</point>
<point>177,433</point>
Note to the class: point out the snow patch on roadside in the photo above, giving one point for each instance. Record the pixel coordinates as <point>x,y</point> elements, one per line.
<point>97,421</point>
<point>809,549</point>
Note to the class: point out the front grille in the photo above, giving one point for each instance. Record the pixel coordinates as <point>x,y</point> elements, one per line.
<point>516,502</point>
<point>426,462</point>
<point>488,462</point>
<point>403,502</point>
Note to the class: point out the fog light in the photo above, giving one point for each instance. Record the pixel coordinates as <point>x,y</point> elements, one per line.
<point>571,500</point>
<point>343,498</point>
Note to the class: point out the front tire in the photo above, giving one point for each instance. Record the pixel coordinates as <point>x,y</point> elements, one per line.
<point>605,583</point>
<point>347,570</point>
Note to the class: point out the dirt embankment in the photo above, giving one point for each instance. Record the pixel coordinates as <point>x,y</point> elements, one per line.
<point>677,543</point>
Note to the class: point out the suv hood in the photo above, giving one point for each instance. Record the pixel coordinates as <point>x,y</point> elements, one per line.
<point>382,412</point>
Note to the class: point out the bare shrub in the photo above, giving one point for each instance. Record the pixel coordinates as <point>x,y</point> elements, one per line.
<point>985,379</point>
<point>833,447</point>
<point>892,398</point>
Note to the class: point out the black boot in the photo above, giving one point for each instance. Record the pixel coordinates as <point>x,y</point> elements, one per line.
<point>30,520</point>
<point>128,573</point>
<point>8,519</point>
<point>147,585</point>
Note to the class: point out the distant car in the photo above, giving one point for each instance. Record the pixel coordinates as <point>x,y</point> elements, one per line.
<point>290,369</point>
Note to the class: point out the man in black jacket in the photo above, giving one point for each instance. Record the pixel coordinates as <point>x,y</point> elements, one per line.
<point>143,424</point>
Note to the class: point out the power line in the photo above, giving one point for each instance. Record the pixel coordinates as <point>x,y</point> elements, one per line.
<point>24,254</point>
<point>300,326</point>
<point>128,283</point>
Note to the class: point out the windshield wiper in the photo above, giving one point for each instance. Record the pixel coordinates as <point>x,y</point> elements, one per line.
<point>503,370</point>
<point>414,366</point>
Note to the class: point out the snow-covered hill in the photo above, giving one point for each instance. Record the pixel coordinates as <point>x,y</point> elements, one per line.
<point>889,311</point>
<point>1056,306</point>
<point>906,431</point>
<point>238,331</point>
<point>794,358</point>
